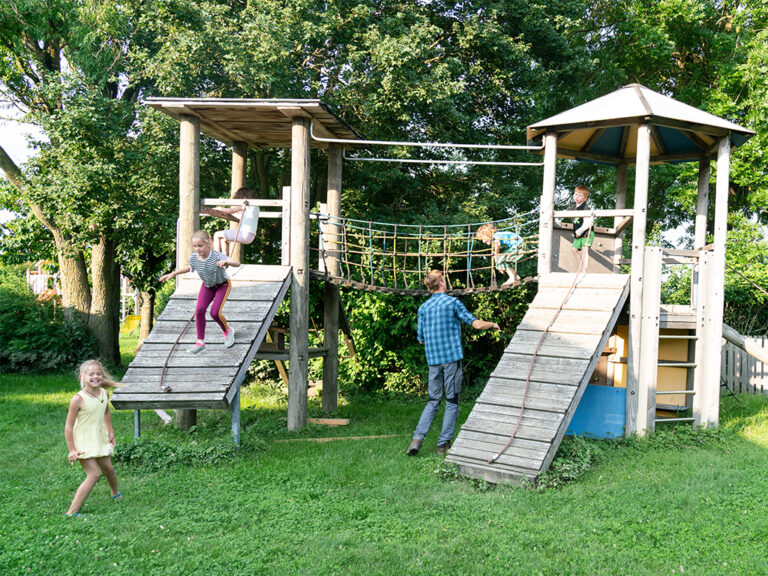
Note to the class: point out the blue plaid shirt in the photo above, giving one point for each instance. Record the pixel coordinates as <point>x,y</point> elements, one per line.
<point>439,328</point>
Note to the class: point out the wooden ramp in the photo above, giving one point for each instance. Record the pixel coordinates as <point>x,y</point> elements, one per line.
<point>564,364</point>
<point>211,378</point>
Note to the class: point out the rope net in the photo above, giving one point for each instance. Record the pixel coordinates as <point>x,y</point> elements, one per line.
<point>396,257</point>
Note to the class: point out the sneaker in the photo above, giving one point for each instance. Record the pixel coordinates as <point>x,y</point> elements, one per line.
<point>414,448</point>
<point>442,449</point>
<point>229,338</point>
<point>197,348</point>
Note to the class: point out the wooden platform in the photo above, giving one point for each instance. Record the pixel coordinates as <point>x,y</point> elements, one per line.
<point>211,378</point>
<point>563,366</point>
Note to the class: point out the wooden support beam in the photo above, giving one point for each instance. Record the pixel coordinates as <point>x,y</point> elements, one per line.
<point>619,224</point>
<point>299,251</point>
<point>649,341</point>
<point>642,164</point>
<point>189,212</point>
<point>546,211</point>
<point>239,171</point>
<point>332,296</point>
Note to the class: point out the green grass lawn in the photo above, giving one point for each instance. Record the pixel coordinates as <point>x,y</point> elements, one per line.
<point>679,503</point>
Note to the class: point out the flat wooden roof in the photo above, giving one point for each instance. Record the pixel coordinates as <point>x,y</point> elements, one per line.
<point>256,121</point>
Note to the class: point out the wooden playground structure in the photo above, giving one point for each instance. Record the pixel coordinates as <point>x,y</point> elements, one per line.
<point>602,325</point>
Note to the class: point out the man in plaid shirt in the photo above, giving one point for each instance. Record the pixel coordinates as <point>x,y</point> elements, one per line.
<point>439,329</point>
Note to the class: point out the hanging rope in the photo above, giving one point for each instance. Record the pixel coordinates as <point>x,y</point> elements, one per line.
<point>163,386</point>
<point>582,269</point>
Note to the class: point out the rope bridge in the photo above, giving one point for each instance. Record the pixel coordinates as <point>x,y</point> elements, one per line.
<point>395,258</point>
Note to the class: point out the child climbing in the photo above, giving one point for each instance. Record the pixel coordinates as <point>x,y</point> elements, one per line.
<point>210,266</point>
<point>246,229</point>
<point>89,434</point>
<point>507,247</point>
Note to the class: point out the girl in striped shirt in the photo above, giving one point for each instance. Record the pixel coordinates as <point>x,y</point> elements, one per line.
<point>210,266</point>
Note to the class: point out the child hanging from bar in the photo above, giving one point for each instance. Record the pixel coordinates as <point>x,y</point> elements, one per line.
<point>210,265</point>
<point>246,229</point>
<point>507,248</point>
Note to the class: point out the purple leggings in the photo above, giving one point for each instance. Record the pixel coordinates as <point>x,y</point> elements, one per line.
<point>217,294</point>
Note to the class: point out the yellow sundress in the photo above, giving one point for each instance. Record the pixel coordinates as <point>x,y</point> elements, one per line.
<point>91,435</point>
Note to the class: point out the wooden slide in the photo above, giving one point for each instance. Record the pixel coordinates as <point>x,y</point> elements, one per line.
<point>563,366</point>
<point>211,378</point>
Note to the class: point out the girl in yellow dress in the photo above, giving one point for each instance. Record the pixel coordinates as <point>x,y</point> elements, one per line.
<point>89,433</point>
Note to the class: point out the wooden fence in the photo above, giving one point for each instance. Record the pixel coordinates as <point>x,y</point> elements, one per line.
<point>741,372</point>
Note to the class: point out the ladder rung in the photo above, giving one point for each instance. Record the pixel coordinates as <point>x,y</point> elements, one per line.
<point>676,392</point>
<point>678,337</point>
<point>658,420</point>
<point>673,364</point>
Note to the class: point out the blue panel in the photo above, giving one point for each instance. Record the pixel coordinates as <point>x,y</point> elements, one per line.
<point>601,413</point>
<point>609,141</point>
<point>676,142</point>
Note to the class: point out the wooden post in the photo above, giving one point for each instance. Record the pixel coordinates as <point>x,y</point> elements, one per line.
<point>136,424</point>
<point>236,417</point>
<point>239,170</point>
<point>189,187</point>
<point>299,321</point>
<point>648,354</point>
<point>702,201</point>
<point>285,230</point>
<point>332,298</point>
<point>622,171</point>
<point>189,213</point>
<point>546,211</point>
<point>642,166</point>
<point>711,406</point>
<point>701,374</point>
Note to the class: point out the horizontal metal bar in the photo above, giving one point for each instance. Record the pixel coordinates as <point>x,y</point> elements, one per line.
<point>267,203</point>
<point>418,144</point>
<point>659,420</point>
<point>676,364</point>
<point>690,392</point>
<point>615,212</point>
<point>678,337</point>
<point>446,162</point>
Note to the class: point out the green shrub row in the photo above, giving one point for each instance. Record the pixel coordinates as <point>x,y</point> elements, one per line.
<point>37,335</point>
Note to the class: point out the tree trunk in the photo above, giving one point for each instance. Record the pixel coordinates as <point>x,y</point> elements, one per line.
<point>147,315</point>
<point>104,321</point>
<point>75,291</point>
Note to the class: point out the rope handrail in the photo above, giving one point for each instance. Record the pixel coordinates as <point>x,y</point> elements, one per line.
<point>395,257</point>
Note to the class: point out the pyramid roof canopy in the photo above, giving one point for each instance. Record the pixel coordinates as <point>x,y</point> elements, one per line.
<point>256,121</point>
<point>605,129</point>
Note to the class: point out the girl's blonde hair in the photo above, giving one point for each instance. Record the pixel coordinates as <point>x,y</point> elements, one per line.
<point>106,379</point>
<point>202,235</point>
<point>485,232</point>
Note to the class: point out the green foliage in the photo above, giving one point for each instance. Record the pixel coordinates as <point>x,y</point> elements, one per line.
<point>153,454</point>
<point>37,335</point>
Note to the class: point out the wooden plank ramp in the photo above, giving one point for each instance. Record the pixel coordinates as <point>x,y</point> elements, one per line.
<point>564,364</point>
<point>211,378</point>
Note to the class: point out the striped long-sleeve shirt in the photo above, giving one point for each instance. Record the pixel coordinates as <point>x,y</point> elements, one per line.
<point>211,274</point>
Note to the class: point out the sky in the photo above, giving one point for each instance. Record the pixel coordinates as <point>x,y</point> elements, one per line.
<point>13,136</point>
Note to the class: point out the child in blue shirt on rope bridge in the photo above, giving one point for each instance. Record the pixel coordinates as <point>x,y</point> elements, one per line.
<point>507,248</point>
<point>210,266</point>
<point>439,329</point>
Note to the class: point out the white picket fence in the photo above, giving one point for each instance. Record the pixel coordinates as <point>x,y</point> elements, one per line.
<point>741,372</point>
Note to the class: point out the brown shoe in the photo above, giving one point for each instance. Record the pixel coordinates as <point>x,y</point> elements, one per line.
<point>442,449</point>
<point>414,448</point>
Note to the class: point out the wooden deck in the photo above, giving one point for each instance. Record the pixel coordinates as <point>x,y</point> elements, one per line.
<point>564,363</point>
<point>212,378</point>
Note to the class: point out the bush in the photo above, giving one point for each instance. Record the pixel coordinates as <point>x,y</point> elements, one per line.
<point>36,335</point>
